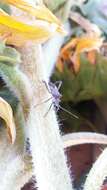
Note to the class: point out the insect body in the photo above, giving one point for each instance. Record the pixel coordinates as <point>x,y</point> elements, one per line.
<point>56,95</point>
<point>53,89</point>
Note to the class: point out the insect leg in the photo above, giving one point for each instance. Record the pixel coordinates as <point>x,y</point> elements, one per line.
<point>70,113</point>
<point>48,110</point>
<point>46,86</point>
<point>43,102</point>
<point>59,83</point>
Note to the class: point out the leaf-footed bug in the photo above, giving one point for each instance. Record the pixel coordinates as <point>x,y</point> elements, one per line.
<point>53,89</point>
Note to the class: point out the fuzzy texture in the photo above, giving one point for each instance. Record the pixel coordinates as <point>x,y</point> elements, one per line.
<point>17,83</point>
<point>23,179</point>
<point>15,175</point>
<point>98,173</point>
<point>12,163</point>
<point>48,156</point>
<point>15,165</point>
<point>77,138</point>
<point>51,51</point>
<point>46,145</point>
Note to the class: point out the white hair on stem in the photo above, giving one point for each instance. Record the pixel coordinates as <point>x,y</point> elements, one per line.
<point>78,138</point>
<point>12,164</point>
<point>51,51</point>
<point>8,180</point>
<point>46,145</point>
<point>48,156</point>
<point>98,173</point>
<point>14,175</point>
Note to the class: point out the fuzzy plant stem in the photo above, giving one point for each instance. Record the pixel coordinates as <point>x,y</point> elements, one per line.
<point>48,157</point>
<point>98,173</point>
<point>78,138</point>
<point>17,83</point>
<point>46,145</point>
<point>14,166</point>
<point>15,171</point>
<point>51,51</point>
<point>15,176</point>
<point>10,161</point>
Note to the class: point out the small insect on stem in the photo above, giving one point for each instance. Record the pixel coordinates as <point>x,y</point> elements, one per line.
<point>53,89</point>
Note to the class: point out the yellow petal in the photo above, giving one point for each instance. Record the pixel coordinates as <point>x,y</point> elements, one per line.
<point>7,115</point>
<point>40,12</point>
<point>20,32</point>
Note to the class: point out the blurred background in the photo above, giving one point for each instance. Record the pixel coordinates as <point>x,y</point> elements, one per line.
<point>81,65</point>
<point>80,62</point>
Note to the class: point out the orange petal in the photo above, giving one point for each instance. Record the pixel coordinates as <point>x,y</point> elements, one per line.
<point>60,65</point>
<point>76,62</point>
<point>7,115</point>
<point>71,44</point>
<point>92,56</point>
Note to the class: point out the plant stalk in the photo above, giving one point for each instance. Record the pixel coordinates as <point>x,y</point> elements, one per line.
<point>48,157</point>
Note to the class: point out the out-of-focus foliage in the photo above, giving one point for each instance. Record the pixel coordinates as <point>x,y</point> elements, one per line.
<point>53,5</point>
<point>88,83</point>
<point>91,79</point>
<point>5,7</point>
<point>96,11</point>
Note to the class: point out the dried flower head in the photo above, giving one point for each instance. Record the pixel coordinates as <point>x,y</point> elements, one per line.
<point>72,50</point>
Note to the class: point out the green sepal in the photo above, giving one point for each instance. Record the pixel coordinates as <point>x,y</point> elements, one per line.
<point>15,80</point>
<point>7,95</point>
<point>53,5</point>
<point>9,55</point>
<point>89,83</point>
<point>5,7</point>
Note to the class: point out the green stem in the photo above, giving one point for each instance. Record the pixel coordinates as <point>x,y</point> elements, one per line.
<point>18,84</point>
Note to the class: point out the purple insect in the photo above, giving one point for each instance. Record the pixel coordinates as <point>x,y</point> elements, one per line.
<point>53,89</point>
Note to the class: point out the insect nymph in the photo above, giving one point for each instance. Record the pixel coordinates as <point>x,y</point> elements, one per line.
<point>53,89</point>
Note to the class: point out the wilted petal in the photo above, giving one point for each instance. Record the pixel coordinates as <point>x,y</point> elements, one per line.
<point>82,44</point>
<point>19,32</point>
<point>7,115</point>
<point>88,43</point>
<point>40,12</point>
